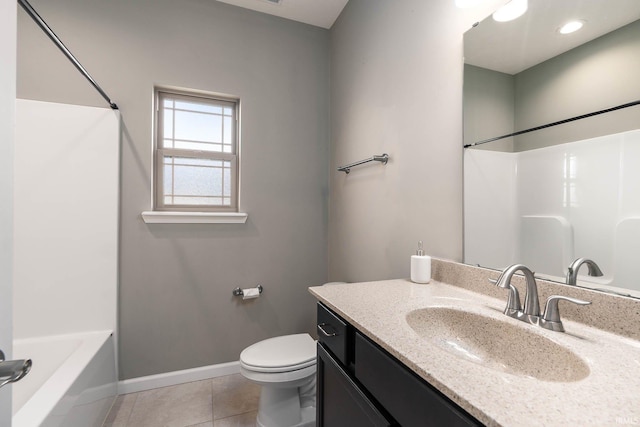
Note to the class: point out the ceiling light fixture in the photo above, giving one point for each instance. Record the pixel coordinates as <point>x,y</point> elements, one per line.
<point>510,11</point>
<point>571,27</point>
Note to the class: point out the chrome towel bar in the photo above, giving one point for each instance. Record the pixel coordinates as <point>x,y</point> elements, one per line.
<point>383,158</point>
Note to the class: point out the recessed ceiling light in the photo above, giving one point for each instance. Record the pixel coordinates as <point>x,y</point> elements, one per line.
<point>570,27</point>
<point>510,11</point>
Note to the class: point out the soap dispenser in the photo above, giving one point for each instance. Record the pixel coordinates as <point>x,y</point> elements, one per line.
<point>420,266</point>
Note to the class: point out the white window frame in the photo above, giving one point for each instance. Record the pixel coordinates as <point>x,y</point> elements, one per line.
<point>159,204</point>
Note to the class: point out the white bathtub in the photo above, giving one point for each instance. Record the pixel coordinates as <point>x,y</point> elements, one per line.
<point>72,382</point>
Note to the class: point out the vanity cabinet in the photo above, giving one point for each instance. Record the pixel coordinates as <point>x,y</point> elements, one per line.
<point>342,402</point>
<point>361,384</point>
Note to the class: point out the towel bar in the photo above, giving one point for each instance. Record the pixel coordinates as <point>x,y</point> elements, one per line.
<point>383,158</point>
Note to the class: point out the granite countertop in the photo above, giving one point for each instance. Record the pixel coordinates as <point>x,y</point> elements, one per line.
<point>608,396</point>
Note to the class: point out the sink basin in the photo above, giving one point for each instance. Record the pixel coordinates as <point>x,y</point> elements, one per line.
<point>497,344</point>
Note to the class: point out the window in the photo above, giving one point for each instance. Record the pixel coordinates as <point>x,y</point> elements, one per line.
<point>196,159</point>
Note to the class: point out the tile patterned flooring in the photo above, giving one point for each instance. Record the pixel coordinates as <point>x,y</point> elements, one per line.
<point>229,401</point>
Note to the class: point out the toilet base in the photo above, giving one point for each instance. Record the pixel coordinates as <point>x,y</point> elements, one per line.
<point>287,407</point>
<point>308,418</point>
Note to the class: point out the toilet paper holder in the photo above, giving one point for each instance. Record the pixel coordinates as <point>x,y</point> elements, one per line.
<point>239,293</point>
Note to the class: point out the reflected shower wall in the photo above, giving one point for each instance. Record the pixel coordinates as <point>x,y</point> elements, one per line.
<point>548,206</point>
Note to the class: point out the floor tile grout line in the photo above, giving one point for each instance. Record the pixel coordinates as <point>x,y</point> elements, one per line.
<point>237,415</point>
<point>135,400</point>
<point>213,415</point>
<point>106,417</point>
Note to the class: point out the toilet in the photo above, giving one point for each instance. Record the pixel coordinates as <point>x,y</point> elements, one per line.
<point>285,367</point>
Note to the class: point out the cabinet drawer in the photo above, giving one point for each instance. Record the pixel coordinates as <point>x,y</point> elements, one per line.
<point>332,332</point>
<point>407,398</point>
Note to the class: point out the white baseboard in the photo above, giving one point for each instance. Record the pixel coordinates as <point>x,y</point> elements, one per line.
<point>177,377</point>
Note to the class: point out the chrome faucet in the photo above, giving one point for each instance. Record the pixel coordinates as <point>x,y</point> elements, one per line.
<point>13,370</point>
<point>572,271</point>
<point>531,311</point>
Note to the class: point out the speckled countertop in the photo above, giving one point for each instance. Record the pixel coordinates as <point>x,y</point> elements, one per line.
<point>609,394</point>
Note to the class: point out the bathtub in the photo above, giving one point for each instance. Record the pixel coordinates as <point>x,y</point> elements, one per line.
<point>72,382</point>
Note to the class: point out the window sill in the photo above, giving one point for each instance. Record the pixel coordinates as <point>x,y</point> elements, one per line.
<point>161,217</point>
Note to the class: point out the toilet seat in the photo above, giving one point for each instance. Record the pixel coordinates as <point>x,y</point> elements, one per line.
<point>280,354</point>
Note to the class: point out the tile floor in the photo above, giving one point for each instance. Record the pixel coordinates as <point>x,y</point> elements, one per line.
<point>229,401</point>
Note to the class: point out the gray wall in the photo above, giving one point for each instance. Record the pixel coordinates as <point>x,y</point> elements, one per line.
<point>597,75</point>
<point>489,107</point>
<point>396,87</point>
<point>600,74</point>
<point>176,308</point>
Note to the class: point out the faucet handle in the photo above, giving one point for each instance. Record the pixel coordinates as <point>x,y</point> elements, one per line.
<point>513,307</point>
<point>513,302</point>
<point>551,317</point>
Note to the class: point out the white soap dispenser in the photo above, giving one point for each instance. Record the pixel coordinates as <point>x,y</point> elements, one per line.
<point>420,266</point>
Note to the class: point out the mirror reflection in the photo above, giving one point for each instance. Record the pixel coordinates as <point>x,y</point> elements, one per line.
<point>566,192</point>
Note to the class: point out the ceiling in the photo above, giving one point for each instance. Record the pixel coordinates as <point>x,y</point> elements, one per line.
<point>511,47</point>
<point>321,13</point>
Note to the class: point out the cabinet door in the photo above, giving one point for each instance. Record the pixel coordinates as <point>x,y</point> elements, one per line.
<point>409,399</point>
<point>340,402</point>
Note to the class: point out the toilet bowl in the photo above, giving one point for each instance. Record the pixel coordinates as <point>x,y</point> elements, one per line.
<point>285,367</point>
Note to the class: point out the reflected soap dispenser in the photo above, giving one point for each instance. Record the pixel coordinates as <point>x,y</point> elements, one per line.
<point>420,266</point>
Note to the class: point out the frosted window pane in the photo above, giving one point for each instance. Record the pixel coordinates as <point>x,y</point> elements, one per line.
<point>227,180</point>
<point>168,178</point>
<point>168,103</point>
<point>228,111</point>
<point>167,143</point>
<point>198,201</point>
<point>197,181</point>
<point>196,106</point>
<point>191,181</point>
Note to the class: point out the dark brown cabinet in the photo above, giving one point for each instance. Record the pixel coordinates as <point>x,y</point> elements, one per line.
<point>343,404</point>
<point>361,384</point>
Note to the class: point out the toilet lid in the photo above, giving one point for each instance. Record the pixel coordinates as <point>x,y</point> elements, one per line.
<point>279,354</point>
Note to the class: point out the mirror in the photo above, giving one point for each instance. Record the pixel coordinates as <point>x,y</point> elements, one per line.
<point>547,197</point>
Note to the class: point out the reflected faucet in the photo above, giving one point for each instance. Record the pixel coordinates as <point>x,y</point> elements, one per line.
<point>531,311</point>
<point>572,271</point>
